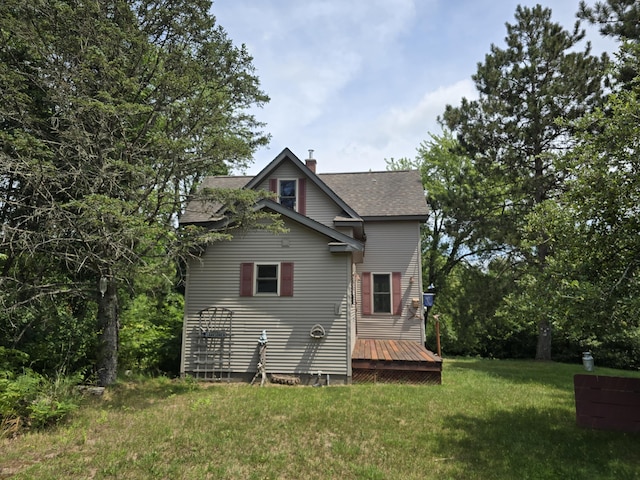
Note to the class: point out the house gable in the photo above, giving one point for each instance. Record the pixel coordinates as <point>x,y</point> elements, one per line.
<point>287,156</point>
<point>313,286</point>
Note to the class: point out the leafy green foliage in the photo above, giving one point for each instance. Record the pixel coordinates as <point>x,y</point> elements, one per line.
<point>12,360</point>
<point>513,138</point>
<point>592,282</point>
<point>511,132</point>
<point>463,214</point>
<point>114,111</point>
<point>30,400</point>
<point>150,339</point>
<point>616,18</point>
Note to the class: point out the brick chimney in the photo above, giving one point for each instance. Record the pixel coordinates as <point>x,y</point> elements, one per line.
<point>311,162</point>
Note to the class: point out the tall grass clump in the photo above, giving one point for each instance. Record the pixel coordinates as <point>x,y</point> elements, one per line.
<point>29,400</point>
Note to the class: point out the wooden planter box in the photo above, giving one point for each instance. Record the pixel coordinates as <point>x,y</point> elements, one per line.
<point>607,403</point>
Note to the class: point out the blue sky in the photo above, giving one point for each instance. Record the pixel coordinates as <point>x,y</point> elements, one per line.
<point>361,81</point>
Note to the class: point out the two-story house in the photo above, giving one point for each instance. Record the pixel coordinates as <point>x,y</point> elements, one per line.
<point>339,293</point>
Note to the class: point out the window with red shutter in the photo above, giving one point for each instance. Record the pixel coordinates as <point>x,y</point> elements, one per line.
<point>266,279</point>
<point>246,279</point>
<point>381,293</point>
<point>292,193</point>
<point>286,279</point>
<point>366,293</point>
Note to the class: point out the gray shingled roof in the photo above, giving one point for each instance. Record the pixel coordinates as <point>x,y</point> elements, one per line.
<point>380,194</point>
<point>202,212</point>
<point>371,194</point>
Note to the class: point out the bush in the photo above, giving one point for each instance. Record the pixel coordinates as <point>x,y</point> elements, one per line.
<point>30,400</point>
<point>12,360</point>
<point>150,337</point>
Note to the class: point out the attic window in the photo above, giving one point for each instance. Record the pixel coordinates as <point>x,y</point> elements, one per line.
<point>291,193</point>
<point>287,193</point>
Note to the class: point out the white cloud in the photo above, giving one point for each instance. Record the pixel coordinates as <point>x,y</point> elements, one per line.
<point>416,118</point>
<point>359,81</point>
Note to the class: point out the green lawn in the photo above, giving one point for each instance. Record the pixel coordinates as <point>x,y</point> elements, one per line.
<point>489,419</point>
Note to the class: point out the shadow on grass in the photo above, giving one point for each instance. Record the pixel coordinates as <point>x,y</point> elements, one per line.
<point>557,375</point>
<point>144,393</point>
<point>537,444</point>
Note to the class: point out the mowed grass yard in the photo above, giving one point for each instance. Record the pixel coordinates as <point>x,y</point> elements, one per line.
<point>488,420</point>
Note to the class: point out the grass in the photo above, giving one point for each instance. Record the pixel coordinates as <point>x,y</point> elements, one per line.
<point>488,420</point>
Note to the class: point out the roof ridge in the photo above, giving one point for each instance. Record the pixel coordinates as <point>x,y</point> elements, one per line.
<point>375,171</point>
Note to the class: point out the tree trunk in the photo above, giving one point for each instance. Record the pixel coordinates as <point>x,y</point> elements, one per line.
<point>108,326</point>
<point>543,351</point>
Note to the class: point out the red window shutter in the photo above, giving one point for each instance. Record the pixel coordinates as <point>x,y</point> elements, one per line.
<point>396,291</point>
<point>273,185</point>
<point>246,279</point>
<point>302,196</point>
<point>366,293</point>
<point>286,279</point>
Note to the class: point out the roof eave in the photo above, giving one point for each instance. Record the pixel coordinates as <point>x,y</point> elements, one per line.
<point>309,223</point>
<point>339,247</point>
<point>395,218</point>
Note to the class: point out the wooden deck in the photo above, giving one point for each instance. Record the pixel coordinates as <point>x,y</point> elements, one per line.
<point>394,361</point>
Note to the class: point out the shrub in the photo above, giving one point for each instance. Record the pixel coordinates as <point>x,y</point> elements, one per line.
<point>30,400</point>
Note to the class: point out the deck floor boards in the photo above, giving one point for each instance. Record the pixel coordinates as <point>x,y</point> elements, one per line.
<point>395,360</point>
<point>392,351</point>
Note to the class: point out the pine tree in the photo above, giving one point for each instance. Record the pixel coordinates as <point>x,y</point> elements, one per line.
<point>616,18</point>
<point>112,111</point>
<point>511,132</point>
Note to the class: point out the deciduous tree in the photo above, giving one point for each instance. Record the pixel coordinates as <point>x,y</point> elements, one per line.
<point>595,229</point>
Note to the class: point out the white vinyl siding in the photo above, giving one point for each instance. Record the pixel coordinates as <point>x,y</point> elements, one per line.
<point>393,247</point>
<point>321,296</point>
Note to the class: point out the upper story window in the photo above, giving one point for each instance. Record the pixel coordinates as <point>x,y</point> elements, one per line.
<point>291,192</point>
<point>287,193</point>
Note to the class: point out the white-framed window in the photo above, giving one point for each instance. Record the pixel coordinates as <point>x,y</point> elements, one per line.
<point>267,278</point>
<point>381,292</point>
<point>288,193</point>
